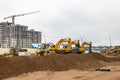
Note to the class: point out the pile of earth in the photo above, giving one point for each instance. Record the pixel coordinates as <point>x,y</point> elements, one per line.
<point>13,66</point>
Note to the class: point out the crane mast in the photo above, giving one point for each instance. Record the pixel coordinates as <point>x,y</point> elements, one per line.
<point>18,15</point>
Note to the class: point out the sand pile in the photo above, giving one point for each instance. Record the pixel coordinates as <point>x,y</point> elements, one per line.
<point>17,65</point>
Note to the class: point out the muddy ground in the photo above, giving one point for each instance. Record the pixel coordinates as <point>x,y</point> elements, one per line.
<point>13,66</point>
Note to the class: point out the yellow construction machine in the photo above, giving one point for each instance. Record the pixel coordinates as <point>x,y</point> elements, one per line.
<point>43,50</point>
<point>114,50</point>
<point>64,46</point>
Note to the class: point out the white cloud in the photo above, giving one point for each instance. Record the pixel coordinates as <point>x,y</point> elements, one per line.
<point>92,20</point>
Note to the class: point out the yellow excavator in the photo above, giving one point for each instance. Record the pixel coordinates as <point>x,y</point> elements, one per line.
<point>114,50</point>
<point>64,46</point>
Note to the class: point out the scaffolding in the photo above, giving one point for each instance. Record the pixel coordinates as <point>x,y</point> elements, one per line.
<point>19,36</point>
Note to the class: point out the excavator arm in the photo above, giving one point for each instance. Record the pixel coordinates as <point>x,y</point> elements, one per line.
<point>89,44</point>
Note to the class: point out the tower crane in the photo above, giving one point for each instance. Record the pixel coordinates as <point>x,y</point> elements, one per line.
<point>13,16</point>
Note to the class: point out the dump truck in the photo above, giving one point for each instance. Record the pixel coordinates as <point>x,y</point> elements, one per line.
<point>64,46</point>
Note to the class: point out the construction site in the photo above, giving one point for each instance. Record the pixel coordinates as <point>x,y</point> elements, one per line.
<point>21,59</point>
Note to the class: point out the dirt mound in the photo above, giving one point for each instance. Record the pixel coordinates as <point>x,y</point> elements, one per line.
<point>18,65</point>
<point>106,59</point>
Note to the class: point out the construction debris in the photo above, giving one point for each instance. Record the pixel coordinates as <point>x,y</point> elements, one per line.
<point>103,69</point>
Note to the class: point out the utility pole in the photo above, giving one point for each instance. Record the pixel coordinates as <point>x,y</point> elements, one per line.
<point>110,41</point>
<point>45,41</point>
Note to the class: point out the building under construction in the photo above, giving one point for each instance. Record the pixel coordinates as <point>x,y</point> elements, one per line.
<point>18,35</point>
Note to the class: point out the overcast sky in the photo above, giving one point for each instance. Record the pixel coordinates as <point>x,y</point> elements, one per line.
<point>87,20</point>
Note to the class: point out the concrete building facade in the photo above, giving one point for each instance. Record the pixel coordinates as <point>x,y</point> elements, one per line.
<point>18,35</point>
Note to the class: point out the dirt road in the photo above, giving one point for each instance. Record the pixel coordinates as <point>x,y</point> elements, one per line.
<point>71,75</point>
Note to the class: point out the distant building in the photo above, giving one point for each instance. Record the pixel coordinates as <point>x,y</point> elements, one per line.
<point>18,35</point>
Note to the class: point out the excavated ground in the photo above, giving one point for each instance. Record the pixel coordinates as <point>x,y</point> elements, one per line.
<point>13,66</point>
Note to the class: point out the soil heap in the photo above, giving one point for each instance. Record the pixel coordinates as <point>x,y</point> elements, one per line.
<point>14,66</point>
